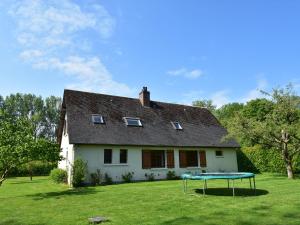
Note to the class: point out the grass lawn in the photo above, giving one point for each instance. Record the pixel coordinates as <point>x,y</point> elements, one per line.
<point>160,203</point>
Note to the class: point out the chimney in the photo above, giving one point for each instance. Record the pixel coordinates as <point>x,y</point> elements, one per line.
<point>145,97</point>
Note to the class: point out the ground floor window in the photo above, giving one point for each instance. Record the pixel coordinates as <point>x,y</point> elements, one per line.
<point>123,155</point>
<point>153,159</point>
<point>188,158</point>
<point>107,156</point>
<point>219,153</point>
<point>191,158</point>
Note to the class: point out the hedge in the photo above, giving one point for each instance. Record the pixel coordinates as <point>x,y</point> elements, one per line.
<point>256,159</point>
<point>38,168</point>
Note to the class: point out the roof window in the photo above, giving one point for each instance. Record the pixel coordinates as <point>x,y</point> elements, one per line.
<point>97,119</point>
<point>136,122</point>
<point>176,125</point>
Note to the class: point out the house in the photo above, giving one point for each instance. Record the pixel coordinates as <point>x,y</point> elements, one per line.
<point>119,135</point>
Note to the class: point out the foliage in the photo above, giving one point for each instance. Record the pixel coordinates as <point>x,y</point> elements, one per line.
<point>107,179</point>
<point>150,176</point>
<point>59,176</point>
<point>16,144</point>
<point>279,129</point>
<point>43,114</point>
<point>35,168</point>
<point>27,132</point>
<point>96,178</point>
<point>228,111</point>
<point>257,159</point>
<point>79,170</point>
<point>127,177</point>
<point>205,104</point>
<point>171,175</point>
<point>258,109</point>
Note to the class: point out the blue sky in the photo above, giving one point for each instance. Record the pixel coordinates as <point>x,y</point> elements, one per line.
<point>182,50</point>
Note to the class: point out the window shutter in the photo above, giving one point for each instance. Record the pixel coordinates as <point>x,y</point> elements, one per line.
<point>202,155</point>
<point>182,159</point>
<point>146,159</point>
<point>170,158</point>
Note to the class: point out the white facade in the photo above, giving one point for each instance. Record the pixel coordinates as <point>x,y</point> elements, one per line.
<point>67,152</point>
<point>94,156</point>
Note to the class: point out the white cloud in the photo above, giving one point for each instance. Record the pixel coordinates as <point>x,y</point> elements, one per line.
<point>220,98</point>
<point>190,74</point>
<point>51,35</point>
<point>191,96</point>
<point>256,92</point>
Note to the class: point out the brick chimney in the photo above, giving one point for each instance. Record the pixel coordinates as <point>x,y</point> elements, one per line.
<point>145,97</point>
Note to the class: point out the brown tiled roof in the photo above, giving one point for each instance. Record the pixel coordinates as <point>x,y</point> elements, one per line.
<point>200,127</point>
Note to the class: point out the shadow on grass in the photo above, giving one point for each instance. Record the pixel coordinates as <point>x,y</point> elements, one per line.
<point>59,194</point>
<point>180,220</point>
<point>15,222</point>
<point>27,182</point>
<point>246,192</point>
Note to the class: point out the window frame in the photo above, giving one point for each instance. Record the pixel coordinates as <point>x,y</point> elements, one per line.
<point>101,119</point>
<point>219,156</point>
<point>133,118</point>
<point>104,156</point>
<point>183,159</point>
<point>179,127</point>
<point>123,150</point>
<point>150,158</point>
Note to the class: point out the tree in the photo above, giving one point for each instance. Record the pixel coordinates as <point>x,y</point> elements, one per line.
<point>228,111</point>
<point>42,113</point>
<point>280,129</point>
<point>15,143</point>
<point>205,104</point>
<point>258,108</point>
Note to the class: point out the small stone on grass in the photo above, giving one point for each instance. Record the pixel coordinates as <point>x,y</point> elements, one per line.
<point>97,219</point>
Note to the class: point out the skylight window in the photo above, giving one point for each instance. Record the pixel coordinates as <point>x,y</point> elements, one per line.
<point>176,125</point>
<point>136,122</point>
<point>97,119</point>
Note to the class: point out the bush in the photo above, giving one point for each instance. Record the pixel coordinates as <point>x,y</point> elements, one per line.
<point>150,176</point>
<point>107,179</point>
<point>171,175</point>
<point>127,177</point>
<point>79,170</point>
<point>257,159</point>
<point>59,176</point>
<point>96,178</point>
<point>34,168</point>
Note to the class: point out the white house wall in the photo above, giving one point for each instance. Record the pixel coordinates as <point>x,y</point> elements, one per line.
<point>67,152</point>
<point>94,156</point>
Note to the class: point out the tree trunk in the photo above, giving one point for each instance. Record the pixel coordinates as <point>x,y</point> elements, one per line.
<point>287,161</point>
<point>3,176</point>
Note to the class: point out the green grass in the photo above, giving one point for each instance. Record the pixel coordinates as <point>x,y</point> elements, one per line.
<point>160,203</point>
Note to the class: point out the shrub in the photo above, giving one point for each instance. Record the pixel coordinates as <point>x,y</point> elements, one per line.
<point>79,170</point>
<point>96,178</point>
<point>35,168</point>
<point>150,176</point>
<point>107,179</point>
<point>127,177</point>
<point>257,159</point>
<point>171,175</point>
<point>58,175</point>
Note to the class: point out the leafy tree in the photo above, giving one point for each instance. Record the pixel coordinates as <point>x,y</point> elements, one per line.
<point>258,109</point>
<point>15,144</point>
<point>228,111</point>
<point>279,129</point>
<point>43,114</point>
<point>205,104</point>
